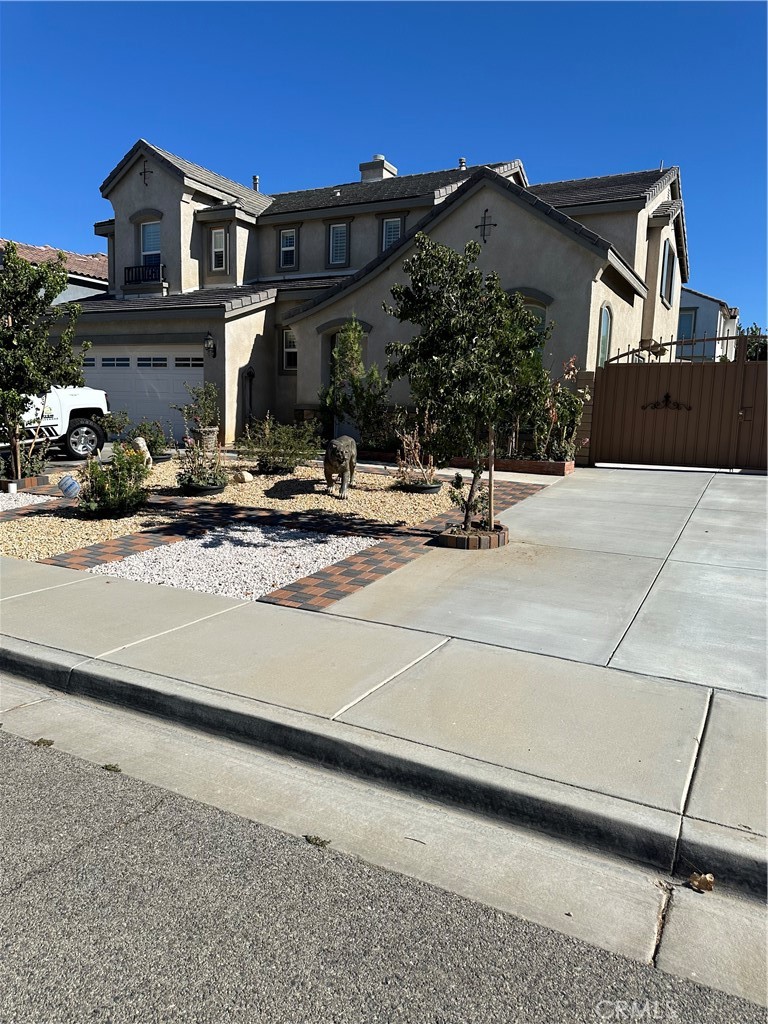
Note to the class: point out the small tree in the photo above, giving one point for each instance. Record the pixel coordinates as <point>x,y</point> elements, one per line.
<point>757,348</point>
<point>354,393</point>
<point>31,360</point>
<point>465,364</point>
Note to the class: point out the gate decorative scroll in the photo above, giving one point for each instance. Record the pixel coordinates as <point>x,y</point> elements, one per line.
<point>667,403</point>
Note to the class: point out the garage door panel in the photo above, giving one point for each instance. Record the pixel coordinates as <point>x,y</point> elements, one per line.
<point>145,381</point>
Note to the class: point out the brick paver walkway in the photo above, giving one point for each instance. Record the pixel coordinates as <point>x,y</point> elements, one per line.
<point>398,544</point>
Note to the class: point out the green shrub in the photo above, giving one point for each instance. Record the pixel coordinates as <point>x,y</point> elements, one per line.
<point>115,488</point>
<point>203,408</point>
<point>201,467</point>
<point>114,423</point>
<point>153,433</point>
<point>278,447</point>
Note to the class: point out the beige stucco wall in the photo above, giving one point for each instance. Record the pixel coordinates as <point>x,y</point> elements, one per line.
<point>659,319</point>
<point>525,248</point>
<point>165,193</point>
<point>626,326</point>
<point>623,229</point>
<point>364,234</point>
<point>237,341</point>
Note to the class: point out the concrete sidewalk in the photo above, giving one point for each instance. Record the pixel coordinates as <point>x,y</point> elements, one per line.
<point>636,766</point>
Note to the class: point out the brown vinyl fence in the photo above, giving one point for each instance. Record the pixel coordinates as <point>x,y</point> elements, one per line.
<point>652,407</point>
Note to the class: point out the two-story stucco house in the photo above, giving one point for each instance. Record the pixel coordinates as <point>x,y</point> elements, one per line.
<point>211,279</point>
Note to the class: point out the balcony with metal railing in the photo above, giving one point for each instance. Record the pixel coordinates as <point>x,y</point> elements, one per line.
<point>153,273</point>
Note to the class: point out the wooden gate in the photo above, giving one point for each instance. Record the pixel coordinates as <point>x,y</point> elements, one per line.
<point>663,407</point>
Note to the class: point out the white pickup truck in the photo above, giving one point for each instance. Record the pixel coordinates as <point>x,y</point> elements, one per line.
<point>70,419</point>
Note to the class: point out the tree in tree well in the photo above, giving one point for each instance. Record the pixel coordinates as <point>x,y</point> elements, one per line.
<point>31,361</point>
<point>475,346</point>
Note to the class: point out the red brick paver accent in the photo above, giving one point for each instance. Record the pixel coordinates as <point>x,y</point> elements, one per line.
<point>398,545</point>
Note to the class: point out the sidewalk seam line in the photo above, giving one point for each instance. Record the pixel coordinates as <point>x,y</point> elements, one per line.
<point>164,632</point>
<point>691,776</point>
<point>656,577</point>
<point>26,704</point>
<point>57,586</point>
<point>394,676</point>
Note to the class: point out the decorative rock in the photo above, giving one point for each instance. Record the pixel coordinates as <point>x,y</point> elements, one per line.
<point>69,487</point>
<point>242,476</point>
<point>139,444</point>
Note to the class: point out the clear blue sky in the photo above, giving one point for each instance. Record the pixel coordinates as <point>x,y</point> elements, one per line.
<point>302,93</point>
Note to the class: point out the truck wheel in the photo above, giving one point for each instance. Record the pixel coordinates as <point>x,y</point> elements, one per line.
<point>83,438</point>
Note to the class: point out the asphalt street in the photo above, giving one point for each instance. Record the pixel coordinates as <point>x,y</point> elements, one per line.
<point>122,902</point>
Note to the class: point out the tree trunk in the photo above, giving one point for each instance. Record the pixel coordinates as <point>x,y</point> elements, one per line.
<point>477,474</point>
<point>491,461</point>
<point>15,466</point>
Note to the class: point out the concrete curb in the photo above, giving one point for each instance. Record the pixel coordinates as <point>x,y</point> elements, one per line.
<point>614,826</point>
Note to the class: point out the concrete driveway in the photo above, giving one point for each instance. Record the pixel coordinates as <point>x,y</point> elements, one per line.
<point>652,572</point>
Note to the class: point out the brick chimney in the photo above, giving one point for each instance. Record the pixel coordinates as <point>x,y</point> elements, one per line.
<point>377,169</point>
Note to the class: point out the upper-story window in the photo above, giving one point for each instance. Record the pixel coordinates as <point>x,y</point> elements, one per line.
<point>391,230</point>
<point>606,323</point>
<point>338,245</point>
<point>218,249</point>
<point>150,244</point>
<point>288,249</point>
<point>667,285</point>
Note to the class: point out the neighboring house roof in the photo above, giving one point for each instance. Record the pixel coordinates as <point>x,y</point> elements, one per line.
<point>608,188</point>
<point>388,190</point>
<point>93,264</point>
<point>733,311</point>
<point>250,200</point>
<point>590,238</point>
<point>217,298</point>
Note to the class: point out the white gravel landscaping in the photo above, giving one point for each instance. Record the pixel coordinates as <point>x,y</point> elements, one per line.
<point>20,499</point>
<point>239,561</point>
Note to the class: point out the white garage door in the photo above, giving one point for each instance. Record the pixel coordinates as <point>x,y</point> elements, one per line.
<point>145,381</point>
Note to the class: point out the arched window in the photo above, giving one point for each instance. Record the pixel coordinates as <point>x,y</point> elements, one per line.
<point>538,310</point>
<point>604,347</point>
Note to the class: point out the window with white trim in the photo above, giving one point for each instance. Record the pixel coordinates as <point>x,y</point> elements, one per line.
<point>218,249</point>
<point>288,248</point>
<point>391,229</point>
<point>188,362</point>
<point>150,243</point>
<point>668,273</point>
<point>606,324</point>
<point>338,244</point>
<point>290,354</point>
<point>115,362</point>
<point>153,362</point>
<point>89,361</point>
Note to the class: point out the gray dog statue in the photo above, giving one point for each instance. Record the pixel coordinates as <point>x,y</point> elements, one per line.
<point>340,459</point>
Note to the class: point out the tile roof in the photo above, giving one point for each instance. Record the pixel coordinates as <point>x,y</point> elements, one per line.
<point>217,298</point>
<point>611,188</point>
<point>523,194</point>
<point>404,186</point>
<point>669,209</point>
<point>93,264</point>
<point>250,200</point>
<point>711,298</point>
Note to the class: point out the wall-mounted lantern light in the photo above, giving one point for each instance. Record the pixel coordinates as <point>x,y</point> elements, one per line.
<point>210,345</point>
